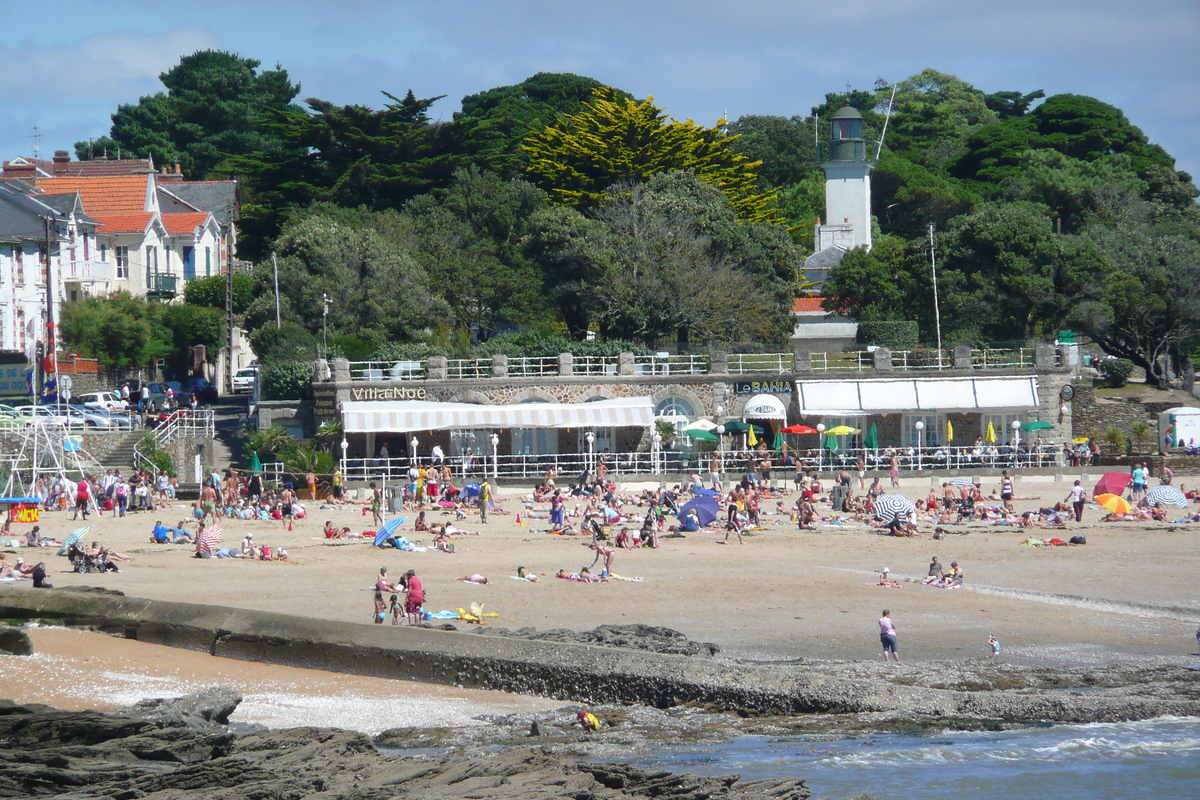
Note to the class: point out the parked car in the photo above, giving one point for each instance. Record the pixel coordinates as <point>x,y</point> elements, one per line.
<point>47,415</point>
<point>243,380</point>
<point>107,401</point>
<point>10,420</point>
<point>82,417</point>
<point>203,389</point>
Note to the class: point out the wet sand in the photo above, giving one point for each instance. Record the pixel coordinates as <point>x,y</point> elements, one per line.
<point>784,594</point>
<point>81,670</point>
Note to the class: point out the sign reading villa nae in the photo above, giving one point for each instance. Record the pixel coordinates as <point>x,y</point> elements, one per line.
<point>763,387</point>
<point>390,393</point>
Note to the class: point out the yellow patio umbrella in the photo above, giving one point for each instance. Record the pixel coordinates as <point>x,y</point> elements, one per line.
<point>841,430</point>
<point>1113,502</point>
<point>990,436</point>
<point>949,431</point>
<point>751,439</point>
<point>1079,440</point>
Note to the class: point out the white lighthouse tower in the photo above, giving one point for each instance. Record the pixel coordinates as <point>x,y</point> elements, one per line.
<point>847,193</point>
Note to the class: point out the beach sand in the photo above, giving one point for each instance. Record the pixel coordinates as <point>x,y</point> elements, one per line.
<point>784,594</point>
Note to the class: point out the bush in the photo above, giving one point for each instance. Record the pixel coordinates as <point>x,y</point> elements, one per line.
<point>287,342</point>
<point>900,334</point>
<point>1115,370</point>
<point>273,444</point>
<point>161,459</point>
<point>288,380</point>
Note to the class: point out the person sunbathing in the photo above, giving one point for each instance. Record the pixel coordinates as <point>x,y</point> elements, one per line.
<point>475,578</point>
<point>441,541</point>
<point>525,574</point>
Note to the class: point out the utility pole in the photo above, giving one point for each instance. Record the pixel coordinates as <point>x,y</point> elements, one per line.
<point>275,265</point>
<point>937,311</point>
<point>51,345</point>
<point>325,324</point>
<point>228,323</point>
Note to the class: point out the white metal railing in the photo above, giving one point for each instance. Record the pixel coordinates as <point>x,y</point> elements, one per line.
<point>183,422</point>
<point>594,365</point>
<point>532,367</point>
<point>743,363</point>
<point>989,358</point>
<point>461,369</point>
<point>388,370</point>
<point>856,361</point>
<point>905,360</point>
<point>670,365</point>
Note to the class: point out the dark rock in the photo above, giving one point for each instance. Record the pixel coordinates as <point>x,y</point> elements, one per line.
<point>15,641</point>
<point>650,638</point>
<point>207,708</point>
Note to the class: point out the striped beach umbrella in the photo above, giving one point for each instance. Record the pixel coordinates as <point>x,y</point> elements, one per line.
<point>1167,495</point>
<point>74,538</point>
<point>208,539</point>
<point>887,506</point>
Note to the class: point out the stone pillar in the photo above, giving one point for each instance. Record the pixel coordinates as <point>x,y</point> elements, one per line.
<point>341,370</point>
<point>718,363</point>
<point>566,365</point>
<point>1043,358</point>
<point>320,371</point>
<point>881,360</point>
<point>962,357</point>
<point>500,366</point>
<point>625,363</point>
<point>802,362</point>
<point>437,368</point>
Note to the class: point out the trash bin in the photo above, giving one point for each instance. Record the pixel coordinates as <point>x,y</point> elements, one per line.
<point>395,500</point>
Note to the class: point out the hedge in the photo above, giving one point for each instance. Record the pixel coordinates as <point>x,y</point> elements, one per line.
<point>1115,370</point>
<point>288,380</point>
<point>892,334</point>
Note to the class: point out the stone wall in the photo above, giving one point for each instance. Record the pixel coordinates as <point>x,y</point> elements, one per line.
<point>1095,415</point>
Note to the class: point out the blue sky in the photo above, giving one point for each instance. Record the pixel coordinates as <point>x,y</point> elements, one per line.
<point>65,66</point>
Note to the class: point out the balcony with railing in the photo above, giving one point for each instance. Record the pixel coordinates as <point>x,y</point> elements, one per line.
<point>86,271</point>
<point>163,286</point>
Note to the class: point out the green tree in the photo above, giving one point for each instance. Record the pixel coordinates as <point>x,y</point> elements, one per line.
<point>120,331</point>
<point>211,110</point>
<point>615,141</point>
<point>210,292</point>
<point>932,116</point>
<point>502,118</point>
<point>784,147</point>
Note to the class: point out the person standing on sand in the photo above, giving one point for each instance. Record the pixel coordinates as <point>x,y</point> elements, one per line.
<point>895,470</point>
<point>608,553</point>
<point>485,498</point>
<point>376,505</point>
<point>887,635</point>
<point>1078,498</point>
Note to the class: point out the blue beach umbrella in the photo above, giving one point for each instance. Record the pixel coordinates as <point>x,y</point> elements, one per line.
<point>388,530</point>
<point>707,508</point>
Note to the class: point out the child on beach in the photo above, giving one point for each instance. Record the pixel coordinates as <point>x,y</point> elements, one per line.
<point>380,609</point>
<point>994,643</point>
<point>395,610</point>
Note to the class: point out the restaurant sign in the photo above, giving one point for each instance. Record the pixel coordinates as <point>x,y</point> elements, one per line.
<point>763,387</point>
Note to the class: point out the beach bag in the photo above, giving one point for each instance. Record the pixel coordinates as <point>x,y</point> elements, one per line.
<point>108,504</point>
<point>1078,540</point>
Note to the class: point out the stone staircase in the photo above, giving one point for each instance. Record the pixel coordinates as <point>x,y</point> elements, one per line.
<point>120,456</point>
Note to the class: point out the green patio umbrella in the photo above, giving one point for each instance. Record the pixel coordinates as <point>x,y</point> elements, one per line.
<point>778,443</point>
<point>871,440</point>
<point>255,462</point>
<point>703,436</point>
<point>831,442</point>
<point>1036,426</point>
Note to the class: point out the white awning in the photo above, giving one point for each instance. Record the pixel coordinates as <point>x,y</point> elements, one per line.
<point>419,415</point>
<point>765,406</point>
<point>941,395</point>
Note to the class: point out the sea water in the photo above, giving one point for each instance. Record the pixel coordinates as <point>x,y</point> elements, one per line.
<point>1157,758</point>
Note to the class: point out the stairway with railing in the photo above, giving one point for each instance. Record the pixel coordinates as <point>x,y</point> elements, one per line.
<point>183,423</point>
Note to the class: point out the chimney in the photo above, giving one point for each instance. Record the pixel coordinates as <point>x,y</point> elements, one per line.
<point>178,170</point>
<point>23,171</point>
<point>61,159</point>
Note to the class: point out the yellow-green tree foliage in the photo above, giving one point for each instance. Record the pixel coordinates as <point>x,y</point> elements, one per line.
<point>614,141</point>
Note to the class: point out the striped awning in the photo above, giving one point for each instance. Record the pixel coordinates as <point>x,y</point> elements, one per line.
<point>419,415</point>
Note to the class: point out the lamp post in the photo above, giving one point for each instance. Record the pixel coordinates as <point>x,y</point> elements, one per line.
<point>591,440</point>
<point>495,456</point>
<point>325,324</point>
<point>719,411</point>
<point>413,443</point>
<point>1016,426</point>
<point>920,426</point>
<point>345,447</point>
<point>820,443</point>
<point>655,448</point>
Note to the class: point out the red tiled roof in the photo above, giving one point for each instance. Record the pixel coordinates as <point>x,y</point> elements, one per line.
<point>122,194</point>
<point>123,223</point>
<point>810,303</point>
<point>184,221</point>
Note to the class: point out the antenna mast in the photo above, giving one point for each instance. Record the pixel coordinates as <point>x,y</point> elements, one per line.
<point>937,311</point>
<point>879,147</point>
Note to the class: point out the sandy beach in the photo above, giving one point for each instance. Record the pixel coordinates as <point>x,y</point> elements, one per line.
<point>784,594</point>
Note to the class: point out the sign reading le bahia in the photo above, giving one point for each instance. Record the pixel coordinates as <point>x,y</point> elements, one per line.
<point>763,387</point>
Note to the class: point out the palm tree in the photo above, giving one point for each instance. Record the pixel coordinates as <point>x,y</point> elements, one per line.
<point>1116,438</point>
<point>1140,430</point>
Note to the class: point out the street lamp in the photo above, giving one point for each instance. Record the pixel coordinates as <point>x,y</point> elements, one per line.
<point>656,448</point>
<point>495,456</point>
<point>413,442</point>
<point>820,443</point>
<point>345,447</point>
<point>591,440</point>
<point>1016,426</point>
<point>920,426</point>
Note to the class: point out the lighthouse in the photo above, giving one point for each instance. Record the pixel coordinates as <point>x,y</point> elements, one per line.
<point>847,193</point>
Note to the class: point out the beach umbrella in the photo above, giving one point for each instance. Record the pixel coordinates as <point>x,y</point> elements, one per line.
<point>778,444</point>
<point>841,430</point>
<point>1167,495</point>
<point>470,490</point>
<point>736,426</point>
<point>949,431</point>
<point>798,429</point>
<point>1112,483</point>
<point>990,436</point>
<point>707,508</point>
<point>831,442</point>
<point>888,506</point>
<point>701,424</point>
<point>751,439</point>
<point>255,462</point>
<point>872,438</point>
<point>74,538</point>
<point>1036,425</point>
<point>701,435</point>
<point>1113,502</point>
<point>208,539</point>
<point>1079,440</point>
<point>388,530</point>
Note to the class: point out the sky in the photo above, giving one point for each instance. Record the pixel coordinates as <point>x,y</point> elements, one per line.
<point>65,66</point>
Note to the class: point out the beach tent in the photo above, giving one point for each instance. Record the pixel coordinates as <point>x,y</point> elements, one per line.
<point>707,508</point>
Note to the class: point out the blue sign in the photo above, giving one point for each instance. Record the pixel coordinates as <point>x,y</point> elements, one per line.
<point>14,380</point>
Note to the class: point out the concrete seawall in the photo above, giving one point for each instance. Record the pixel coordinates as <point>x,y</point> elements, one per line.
<point>592,674</point>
